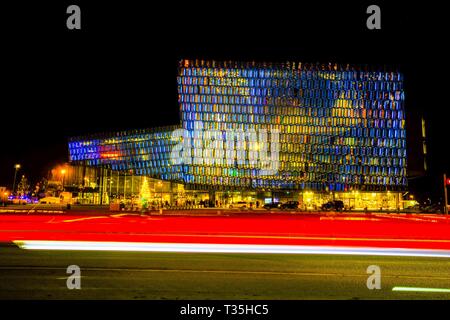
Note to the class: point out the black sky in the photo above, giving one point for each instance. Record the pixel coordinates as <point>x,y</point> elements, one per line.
<point>119,71</point>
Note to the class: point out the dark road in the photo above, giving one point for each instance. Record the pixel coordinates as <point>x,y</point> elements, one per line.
<point>321,256</point>
<point>143,275</point>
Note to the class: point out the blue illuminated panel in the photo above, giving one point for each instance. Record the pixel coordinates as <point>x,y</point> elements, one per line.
<point>144,152</point>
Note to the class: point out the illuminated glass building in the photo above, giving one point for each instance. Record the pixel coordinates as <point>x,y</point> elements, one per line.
<point>306,132</point>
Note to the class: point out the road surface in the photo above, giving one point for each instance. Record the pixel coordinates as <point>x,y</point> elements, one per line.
<point>144,275</point>
<point>412,252</point>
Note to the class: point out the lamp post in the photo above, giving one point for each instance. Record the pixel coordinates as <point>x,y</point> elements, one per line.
<point>63,172</point>
<point>125,186</point>
<point>160,193</point>
<point>5,198</point>
<point>16,167</point>
<point>446,182</point>
<point>132,173</point>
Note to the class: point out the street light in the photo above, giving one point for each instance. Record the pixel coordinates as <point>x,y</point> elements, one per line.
<point>4,198</point>
<point>16,167</point>
<point>446,183</point>
<point>63,172</point>
<point>161,197</point>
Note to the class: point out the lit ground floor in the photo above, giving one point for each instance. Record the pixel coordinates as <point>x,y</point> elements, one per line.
<point>90,185</point>
<point>141,191</point>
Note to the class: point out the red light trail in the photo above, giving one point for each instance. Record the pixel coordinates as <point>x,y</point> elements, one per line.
<point>344,230</point>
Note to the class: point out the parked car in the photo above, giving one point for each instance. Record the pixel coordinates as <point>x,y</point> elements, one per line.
<point>20,200</point>
<point>337,205</point>
<point>272,205</point>
<point>50,200</point>
<point>412,209</point>
<point>433,208</point>
<point>290,205</point>
<point>240,204</point>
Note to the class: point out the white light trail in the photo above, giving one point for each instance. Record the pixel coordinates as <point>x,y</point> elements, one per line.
<point>225,248</point>
<point>413,289</point>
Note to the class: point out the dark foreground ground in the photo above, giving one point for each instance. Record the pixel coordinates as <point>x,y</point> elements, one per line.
<point>125,275</point>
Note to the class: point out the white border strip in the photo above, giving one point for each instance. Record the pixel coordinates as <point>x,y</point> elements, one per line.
<point>413,289</point>
<point>225,248</point>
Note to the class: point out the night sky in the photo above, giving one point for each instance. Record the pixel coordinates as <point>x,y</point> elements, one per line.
<point>120,70</point>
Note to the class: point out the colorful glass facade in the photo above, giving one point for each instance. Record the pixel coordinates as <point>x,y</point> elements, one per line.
<point>332,128</point>
<point>141,152</point>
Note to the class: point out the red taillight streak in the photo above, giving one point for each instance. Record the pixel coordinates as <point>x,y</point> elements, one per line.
<point>347,230</point>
